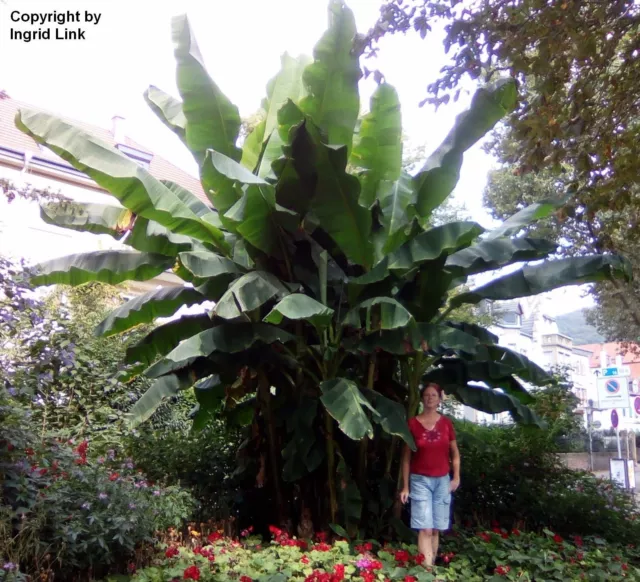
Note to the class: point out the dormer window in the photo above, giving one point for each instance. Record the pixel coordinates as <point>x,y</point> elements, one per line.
<point>511,319</point>
<point>141,158</point>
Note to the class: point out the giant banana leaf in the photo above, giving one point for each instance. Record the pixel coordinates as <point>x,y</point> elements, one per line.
<point>434,243</point>
<point>391,416</point>
<point>396,198</point>
<point>547,276</point>
<point>260,221</point>
<point>440,173</point>
<point>298,306</point>
<point>454,380</point>
<point>150,237</point>
<point>166,337</point>
<point>133,186</point>
<point>390,314</point>
<point>213,122</point>
<point>526,216</point>
<point>200,266</point>
<point>111,267</point>
<point>225,338</point>
<point>248,293</point>
<point>344,401</point>
<point>88,217</point>
<point>494,253</point>
<point>146,308</point>
<point>162,388</point>
<point>168,109</point>
<point>333,102</point>
<point>378,148</point>
<point>335,203</point>
<point>287,84</point>
<point>519,365</point>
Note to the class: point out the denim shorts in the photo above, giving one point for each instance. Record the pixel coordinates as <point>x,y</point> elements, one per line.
<point>430,502</point>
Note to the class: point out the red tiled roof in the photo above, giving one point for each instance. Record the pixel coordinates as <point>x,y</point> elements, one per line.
<point>11,137</point>
<point>612,349</point>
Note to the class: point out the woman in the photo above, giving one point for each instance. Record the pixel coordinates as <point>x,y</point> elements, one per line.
<point>426,472</point>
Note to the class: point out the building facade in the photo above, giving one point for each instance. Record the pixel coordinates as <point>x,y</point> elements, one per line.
<point>528,326</point>
<point>23,162</point>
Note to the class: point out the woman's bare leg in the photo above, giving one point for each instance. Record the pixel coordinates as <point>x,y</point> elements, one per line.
<point>435,540</point>
<point>425,545</point>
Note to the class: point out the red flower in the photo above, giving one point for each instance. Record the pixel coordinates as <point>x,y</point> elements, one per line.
<point>113,476</point>
<point>368,576</point>
<point>418,558</point>
<point>322,547</point>
<point>366,547</point>
<point>558,539</point>
<point>579,556</point>
<point>446,558</point>
<point>402,556</point>
<point>577,540</point>
<point>275,531</point>
<point>29,452</point>
<point>192,573</point>
<point>515,532</point>
<point>502,570</point>
<point>625,567</point>
<point>408,578</point>
<point>43,471</point>
<point>172,552</point>
<point>245,579</point>
<point>485,536</point>
<point>321,536</point>
<point>213,537</point>
<point>304,560</point>
<point>82,448</point>
<point>131,568</point>
<point>338,571</point>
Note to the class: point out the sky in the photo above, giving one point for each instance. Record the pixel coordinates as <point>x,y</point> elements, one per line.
<point>241,42</point>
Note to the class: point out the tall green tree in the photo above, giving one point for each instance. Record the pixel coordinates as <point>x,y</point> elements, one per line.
<point>576,128</point>
<point>332,289</point>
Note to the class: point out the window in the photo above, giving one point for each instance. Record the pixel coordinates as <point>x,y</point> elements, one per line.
<point>512,319</point>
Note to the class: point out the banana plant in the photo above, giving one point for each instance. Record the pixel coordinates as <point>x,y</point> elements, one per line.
<point>333,297</point>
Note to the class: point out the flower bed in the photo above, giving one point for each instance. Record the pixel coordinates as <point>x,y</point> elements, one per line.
<point>465,555</point>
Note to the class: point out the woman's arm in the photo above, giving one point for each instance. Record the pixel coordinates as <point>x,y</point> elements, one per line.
<point>406,462</point>
<point>455,459</point>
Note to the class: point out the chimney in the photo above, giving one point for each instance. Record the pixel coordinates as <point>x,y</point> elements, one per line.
<point>117,128</point>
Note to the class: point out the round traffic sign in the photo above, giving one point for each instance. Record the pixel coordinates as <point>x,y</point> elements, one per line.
<point>596,424</point>
<point>612,386</point>
<point>614,419</point>
<point>636,405</point>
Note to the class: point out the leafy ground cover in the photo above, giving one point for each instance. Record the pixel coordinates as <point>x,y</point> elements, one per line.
<point>497,554</point>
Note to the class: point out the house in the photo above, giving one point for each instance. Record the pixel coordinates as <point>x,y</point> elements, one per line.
<point>22,161</point>
<point>528,326</point>
<point>611,354</point>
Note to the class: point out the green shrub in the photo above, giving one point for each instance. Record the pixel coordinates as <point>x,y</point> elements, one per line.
<point>202,461</point>
<point>512,475</point>
<point>62,511</point>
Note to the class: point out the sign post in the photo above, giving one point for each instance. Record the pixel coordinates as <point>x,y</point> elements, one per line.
<point>614,424</point>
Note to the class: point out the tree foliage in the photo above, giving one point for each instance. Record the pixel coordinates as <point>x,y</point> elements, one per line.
<point>332,287</point>
<point>576,129</point>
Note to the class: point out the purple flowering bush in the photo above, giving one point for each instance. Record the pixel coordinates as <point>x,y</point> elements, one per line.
<point>64,510</point>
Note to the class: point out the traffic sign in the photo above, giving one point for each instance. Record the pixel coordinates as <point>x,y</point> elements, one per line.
<point>613,392</point>
<point>614,419</point>
<point>596,424</point>
<point>636,405</point>
<point>616,371</point>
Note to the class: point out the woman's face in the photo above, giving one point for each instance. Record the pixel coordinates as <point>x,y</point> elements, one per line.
<point>430,398</point>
